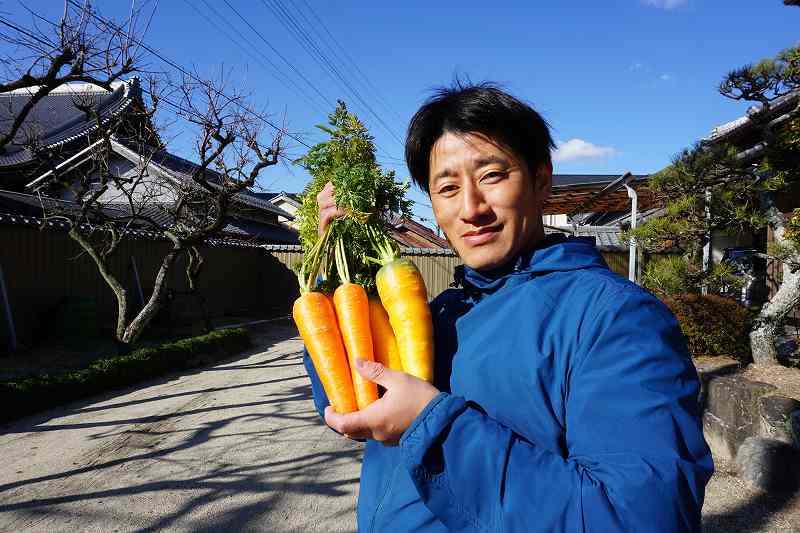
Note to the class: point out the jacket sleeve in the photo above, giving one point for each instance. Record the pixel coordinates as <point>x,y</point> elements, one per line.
<point>636,458</point>
<point>320,398</point>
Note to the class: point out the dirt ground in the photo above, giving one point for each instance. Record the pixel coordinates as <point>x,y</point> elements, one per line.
<point>786,379</point>
<point>732,507</point>
<point>233,447</point>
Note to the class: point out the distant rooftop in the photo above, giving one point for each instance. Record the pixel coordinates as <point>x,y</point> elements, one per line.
<point>55,120</point>
<point>743,125</point>
<point>570,191</point>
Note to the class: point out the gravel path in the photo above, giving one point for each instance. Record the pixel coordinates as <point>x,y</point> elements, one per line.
<point>235,447</point>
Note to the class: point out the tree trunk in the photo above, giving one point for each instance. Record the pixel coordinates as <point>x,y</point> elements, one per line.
<point>127,333</point>
<point>140,322</point>
<point>110,279</point>
<point>767,325</point>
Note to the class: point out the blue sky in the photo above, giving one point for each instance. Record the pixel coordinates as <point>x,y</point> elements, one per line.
<point>625,84</point>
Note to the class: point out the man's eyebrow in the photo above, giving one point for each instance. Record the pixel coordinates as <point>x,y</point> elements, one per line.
<point>443,174</point>
<point>485,160</point>
<point>478,162</point>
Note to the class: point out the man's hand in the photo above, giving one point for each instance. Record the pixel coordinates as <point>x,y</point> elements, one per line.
<point>327,207</point>
<point>386,419</point>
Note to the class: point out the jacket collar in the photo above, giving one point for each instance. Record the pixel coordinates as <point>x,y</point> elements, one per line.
<point>555,252</point>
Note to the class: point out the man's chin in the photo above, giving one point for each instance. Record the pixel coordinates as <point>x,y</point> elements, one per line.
<point>483,260</point>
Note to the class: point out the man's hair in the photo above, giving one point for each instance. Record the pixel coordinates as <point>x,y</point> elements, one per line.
<point>476,108</point>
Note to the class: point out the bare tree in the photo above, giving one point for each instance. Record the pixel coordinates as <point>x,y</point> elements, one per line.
<point>188,207</point>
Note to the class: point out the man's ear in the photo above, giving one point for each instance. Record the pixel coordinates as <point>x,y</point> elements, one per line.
<point>544,181</point>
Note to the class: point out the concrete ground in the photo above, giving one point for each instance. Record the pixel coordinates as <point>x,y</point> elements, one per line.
<point>234,447</point>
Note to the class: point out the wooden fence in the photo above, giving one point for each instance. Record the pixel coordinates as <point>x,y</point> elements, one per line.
<point>436,266</point>
<point>43,269</point>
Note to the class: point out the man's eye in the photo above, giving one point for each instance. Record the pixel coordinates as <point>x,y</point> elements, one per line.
<point>493,177</point>
<point>447,190</point>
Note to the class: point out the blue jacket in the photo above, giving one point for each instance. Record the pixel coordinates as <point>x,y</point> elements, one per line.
<point>568,403</point>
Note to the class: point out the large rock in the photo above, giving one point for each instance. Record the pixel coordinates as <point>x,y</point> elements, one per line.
<point>769,464</point>
<point>732,412</point>
<point>776,418</point>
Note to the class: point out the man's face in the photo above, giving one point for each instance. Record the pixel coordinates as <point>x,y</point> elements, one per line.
<point>485,199</point>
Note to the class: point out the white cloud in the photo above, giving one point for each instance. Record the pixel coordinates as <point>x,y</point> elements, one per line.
<point>665,4</point>
<point>579,149</point>
<point>665,77</point>
<point>635,66</point>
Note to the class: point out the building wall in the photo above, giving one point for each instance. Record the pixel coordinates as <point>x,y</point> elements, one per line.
<point>289,208</point>
<point>153,188</point>
<point>555,220</point>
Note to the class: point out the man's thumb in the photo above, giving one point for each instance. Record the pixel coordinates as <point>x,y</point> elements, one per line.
<point>375,372</point>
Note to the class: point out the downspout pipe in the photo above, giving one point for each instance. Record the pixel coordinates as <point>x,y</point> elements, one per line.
<point>634,215</point>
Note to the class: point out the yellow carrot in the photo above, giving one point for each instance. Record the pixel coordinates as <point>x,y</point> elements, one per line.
<point>403,295</point>
<point>384,344</point>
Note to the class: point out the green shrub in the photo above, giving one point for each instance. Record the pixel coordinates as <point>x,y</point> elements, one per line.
<point>44,391</point>
<point>713,325</point>
<point>669,275</point>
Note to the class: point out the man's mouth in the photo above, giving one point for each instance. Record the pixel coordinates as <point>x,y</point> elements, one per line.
<point>481,235</point>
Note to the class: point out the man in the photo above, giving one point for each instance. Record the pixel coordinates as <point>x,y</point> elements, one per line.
<point>564,398</point>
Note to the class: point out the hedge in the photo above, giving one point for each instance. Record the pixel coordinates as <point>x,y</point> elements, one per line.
<point>713,325</point>
<point>44,391</point>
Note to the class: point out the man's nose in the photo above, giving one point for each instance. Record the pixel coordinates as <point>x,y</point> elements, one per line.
<point>473,206</point>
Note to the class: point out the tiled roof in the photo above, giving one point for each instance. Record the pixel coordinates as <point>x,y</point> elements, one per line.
<point>568,180</point>
<point>570,192</point>
<point>404,250</point>
<point>411,233</point>
<point>606,237</point>
<point>275,233</point>
<point>744,124</point>
<point>272,196</point>
<point>28,205</point>
<point>182,169</point>
<point>15,219</point>
<point>55,120</point>
<point>616,218</point>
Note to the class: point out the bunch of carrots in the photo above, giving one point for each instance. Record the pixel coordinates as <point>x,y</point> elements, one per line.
<point>393,327</point>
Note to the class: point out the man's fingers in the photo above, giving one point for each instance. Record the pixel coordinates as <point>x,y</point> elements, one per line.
<point>324,219</point>
<point>326,201</point>
<point>376,373</point>
<point>350,424</point>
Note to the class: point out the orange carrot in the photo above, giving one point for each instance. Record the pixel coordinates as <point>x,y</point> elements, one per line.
<point>352,312</point>
<point>383,342</point>
<point>315,318</point>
